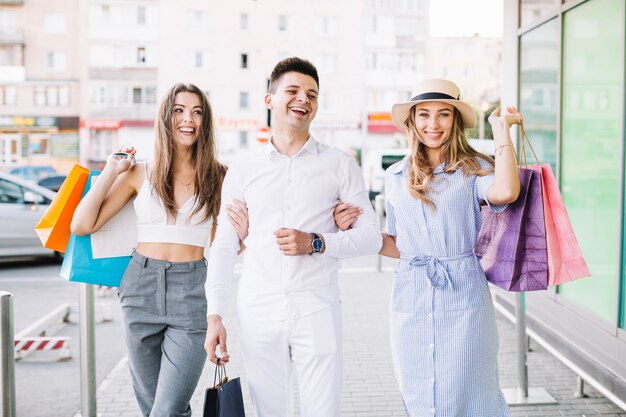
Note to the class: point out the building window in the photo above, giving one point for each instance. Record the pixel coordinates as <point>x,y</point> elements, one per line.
<point>64,96</point>
<point>141,95</point>
<point>198,20</point>
<point>150,95</point>
<point>38,145</point>
<point>52,96</point>
<point>141,55</point>
<point>244,61</point>
<point>8,95</point>
<point>55,61</point>
<point>54,23</point>
<point>141,15</point>
<point>199,60</point>
<point>533,10</point>
<point>282,23</point>
<point>137,95</point>
<point>243,138</point>
<point>40,96</point>
<point>243,100</point>
<point>243,21</point>
<point>8,21</point>
<point>325,26</point>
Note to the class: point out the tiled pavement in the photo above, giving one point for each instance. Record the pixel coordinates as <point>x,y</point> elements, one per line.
<point>369,387</point>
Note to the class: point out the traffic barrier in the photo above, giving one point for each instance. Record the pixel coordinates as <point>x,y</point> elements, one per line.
<point>41,331</point>
<point>30,344</point>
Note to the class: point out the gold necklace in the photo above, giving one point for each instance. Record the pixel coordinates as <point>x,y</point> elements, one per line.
<point>184,185</point>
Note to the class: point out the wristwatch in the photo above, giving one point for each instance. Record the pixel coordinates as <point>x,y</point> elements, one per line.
<point>317,244</point>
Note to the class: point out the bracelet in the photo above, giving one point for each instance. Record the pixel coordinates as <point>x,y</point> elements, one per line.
<point>498,149</point>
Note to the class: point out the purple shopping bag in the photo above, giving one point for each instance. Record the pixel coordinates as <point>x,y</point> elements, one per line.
<point>512,245</point>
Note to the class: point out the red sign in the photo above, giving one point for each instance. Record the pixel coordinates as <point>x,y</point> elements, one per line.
<point>263,134</point>
<point>101,124</point>
<point>381,123</point>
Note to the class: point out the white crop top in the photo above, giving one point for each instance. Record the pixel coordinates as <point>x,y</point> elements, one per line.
<point>152,220</point>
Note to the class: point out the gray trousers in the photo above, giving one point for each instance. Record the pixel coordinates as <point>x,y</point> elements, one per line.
<point>164,314</point>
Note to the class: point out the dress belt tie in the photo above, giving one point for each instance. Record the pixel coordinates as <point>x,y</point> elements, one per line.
<point>435,269</point>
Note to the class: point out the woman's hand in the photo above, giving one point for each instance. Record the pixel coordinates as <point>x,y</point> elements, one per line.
<point>238,216</point>
<point>345,215</point>
<point>512,117</point>
<point>122,163</point>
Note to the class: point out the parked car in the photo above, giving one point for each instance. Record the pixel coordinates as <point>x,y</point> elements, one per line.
<point>22,204</point>
<point>33,172</point>
<point>52,183</point>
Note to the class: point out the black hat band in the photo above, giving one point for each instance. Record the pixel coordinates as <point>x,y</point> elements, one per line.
<point>434,96</point>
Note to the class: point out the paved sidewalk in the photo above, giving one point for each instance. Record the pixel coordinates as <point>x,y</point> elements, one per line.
<point>370,387</point>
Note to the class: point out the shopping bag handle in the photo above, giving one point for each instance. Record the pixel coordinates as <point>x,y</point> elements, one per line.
<point>525,139</point>
<point>219,377</point>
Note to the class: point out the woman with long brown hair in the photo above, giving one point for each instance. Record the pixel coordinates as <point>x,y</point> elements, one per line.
<point>444,340</point>
<point>176,199</point>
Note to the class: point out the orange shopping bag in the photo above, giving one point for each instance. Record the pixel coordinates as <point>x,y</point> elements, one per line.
<point>54,228</point>
<point>565,259</point>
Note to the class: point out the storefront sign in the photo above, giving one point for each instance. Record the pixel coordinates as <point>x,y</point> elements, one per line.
<point>236,124</point>
<point>381,123</point>
<point>37,122</point>
<point>101,124</point>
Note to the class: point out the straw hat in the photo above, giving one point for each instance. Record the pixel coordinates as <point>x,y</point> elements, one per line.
<point>434,90</point>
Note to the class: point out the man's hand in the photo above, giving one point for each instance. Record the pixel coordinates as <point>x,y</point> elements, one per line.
<point>294,242</point>
<point>345,214</point>
<point>216,336</point>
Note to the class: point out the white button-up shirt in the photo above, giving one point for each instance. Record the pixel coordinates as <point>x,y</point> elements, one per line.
<point>298,192</point>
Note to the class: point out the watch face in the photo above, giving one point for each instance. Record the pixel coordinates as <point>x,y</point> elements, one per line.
<point>317,245</point>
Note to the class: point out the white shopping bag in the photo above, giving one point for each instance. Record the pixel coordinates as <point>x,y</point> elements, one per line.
<point>118,236</point>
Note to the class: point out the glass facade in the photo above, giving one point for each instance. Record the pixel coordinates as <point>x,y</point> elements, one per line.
<point>591,159</point>
<point>539,69</point>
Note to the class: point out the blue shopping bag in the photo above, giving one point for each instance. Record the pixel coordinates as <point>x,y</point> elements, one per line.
<point>79,265</point>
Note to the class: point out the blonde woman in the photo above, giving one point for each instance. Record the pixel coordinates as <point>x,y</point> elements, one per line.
<point>444,339</point>
<point>176,199</point>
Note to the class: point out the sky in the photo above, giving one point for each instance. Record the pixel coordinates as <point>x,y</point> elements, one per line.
<point>466,17</point>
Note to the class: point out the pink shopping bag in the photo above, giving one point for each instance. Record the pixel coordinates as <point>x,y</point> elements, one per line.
<point>565,259</point>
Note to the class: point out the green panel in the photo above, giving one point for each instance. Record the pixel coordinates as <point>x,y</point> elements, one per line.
<point>539,66</point>
<point>593,48</point>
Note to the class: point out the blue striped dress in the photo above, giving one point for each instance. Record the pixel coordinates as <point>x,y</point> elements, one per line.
<point>444,338</point>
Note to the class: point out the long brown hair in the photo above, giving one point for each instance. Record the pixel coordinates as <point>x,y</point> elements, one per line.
<point>457,154</point>
<point>209,171</point>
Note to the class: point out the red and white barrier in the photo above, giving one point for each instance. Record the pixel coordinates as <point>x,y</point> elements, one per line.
<point>29,344</point>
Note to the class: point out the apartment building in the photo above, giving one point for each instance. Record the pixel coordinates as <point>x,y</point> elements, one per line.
<point>39,82</point>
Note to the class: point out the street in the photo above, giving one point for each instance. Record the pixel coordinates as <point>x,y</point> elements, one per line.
<point>46,387</point>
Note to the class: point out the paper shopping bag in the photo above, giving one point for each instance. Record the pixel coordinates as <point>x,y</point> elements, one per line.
<point>512,245</point>
<point>80,265</point>
<point>54,228</point>
<point>118,236</point>
<point>224,399</point>
<point>565,259</point>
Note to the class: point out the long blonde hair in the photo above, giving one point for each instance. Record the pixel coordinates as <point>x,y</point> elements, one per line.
<point>457,154</point>
<point>209,171</point>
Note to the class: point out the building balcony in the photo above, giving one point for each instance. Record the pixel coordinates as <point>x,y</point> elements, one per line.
<point>11,37</point>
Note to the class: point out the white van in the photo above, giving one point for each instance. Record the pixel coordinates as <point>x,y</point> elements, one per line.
<point>374,165</point>
<point>378,160</point>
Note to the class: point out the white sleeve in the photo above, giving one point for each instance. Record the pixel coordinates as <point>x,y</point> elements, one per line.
<point>364,237</point>
<point>223,253</point>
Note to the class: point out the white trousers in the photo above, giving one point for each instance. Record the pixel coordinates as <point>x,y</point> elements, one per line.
<point>312,344</point>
